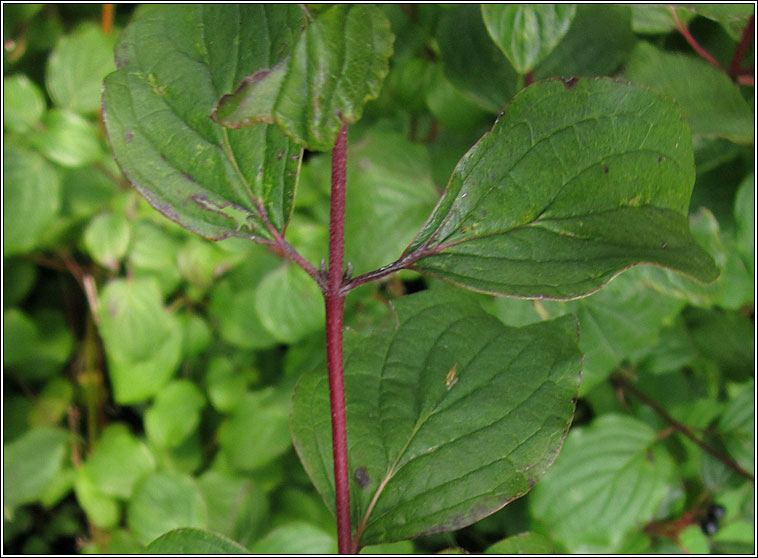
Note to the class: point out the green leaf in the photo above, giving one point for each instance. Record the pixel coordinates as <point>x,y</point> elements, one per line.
<point>153,253</point>
<point>737,425</point>
<point>390,193</point>
<point>620,322</point>
<point>450,415</point>
<point>289,304</point>
<point>162,502</point>
<point>257,432</point>
<point>658,19</point>
<point>226,384</point>
<point>296,538</point>
<point>23,103</point>
<point>174,62</point>
<point>565,192</point>
<point>472,62</point>
<point>527,33</point>
<point>30,464</point>
<point>744,216</point>
<point>175,414</point>
<point>733,17</point>
<point>102,510</point>
<point>142,339</point>
<point>67,139</point>
<point>237,507</point>
<point>713,105</point>
<point>106,238</point>
<point>31,197</point>
<point>77,66</point>
<point>52,403</point>
<point>35,347</point>
<point>119,461</point>
<point>525,543</point>
<point>194,541</point>
<point>450,106</point>
<point>338,63</point>
<point>597,43</point>
<point>609,478</point>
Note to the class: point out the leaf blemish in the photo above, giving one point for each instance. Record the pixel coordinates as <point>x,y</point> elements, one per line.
<point>361,478</point>
<point>280,155</point>
<point>451,379</point>
<point>129,136</point>
<point>570,83</point>
<point>605,170</point>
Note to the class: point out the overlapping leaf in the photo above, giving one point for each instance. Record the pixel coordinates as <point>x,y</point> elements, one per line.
<point>450,416</point>
<point>174,62</point>
<point>338,64</point>
<point>577,181</point>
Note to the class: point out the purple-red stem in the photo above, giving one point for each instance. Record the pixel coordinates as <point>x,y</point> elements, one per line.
<point>335,303</point>
<point>739,52</point>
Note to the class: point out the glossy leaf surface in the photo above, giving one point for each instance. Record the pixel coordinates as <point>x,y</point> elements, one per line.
<point>174,62</point>
<point>450,415</point>
<point>526,33</point>
<point>338,64</point>
<point>577,181</point>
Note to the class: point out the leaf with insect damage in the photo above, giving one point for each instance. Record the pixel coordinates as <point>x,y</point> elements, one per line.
<point>450,415</point>
<point>174,62</point>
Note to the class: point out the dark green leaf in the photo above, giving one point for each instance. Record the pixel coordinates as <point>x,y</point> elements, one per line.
<point>338,64</point>
<point>733,17</point>
<point>174,62</point>
<point>737,425</point>
<point>31,197</point>
<point>77,66</point>
<point>712,104</point>
<point>30,464</point>
<point>609,478</point>
<point>162,502</point>
<point>472,61</point>
<point>450,416</point>
<point>194,541</point>
<point>566,192</point>
<point>654,19</point>
<point>527,33</point>
<point>597,43</point>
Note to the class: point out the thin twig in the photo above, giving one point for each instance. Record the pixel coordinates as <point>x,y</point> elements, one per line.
<point>739,51</point>
<point>693,43</point>
<point>622,382</point>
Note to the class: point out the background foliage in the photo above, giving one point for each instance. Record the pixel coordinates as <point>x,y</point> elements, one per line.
<point>148,373</point>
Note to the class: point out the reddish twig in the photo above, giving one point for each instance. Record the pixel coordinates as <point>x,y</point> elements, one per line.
<point>622,382</point>
<point>107,19</point>
<point>739,51</point>
<point>693,43</point>
<point>335,303</point>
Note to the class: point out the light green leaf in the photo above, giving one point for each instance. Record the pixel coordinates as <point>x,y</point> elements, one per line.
<point>712,104</point>
<point>175,413</point>
<point>597,43</point>
<point>67,139</point>
<point>338,63</point>
<point>525,543</point>
<point>744,216</point>
<point>77,66</point>
<point>237,507</point>
<point>609,479</point>
<point>174,62</point>
<point>153,253</point>
<point>102,510</point>
<point>737,425</point>
<point>732,16</point>
<point>23,103</point>
<point>450,106</point>
<point>450,415</point>
<point>527,33</point>
<point>289,304</point>
<point>162,502</point>
<point>472,62</point>
<point>296,538</point>
<point>31,197</point>
<point>257,431</point>
<point>52,403</point>
<point>106,238</point>
<point>118,462</point>
<point>658,19</point>
<point>142,339</point>
<point>30,463</point>
<point>577,181</point>
<point>194,541</point>
<point>226,383</point>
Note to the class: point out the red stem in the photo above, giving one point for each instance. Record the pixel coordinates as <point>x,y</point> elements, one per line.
<point>739,52</point>
<point>335,302</point>
<point>693,43</point>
